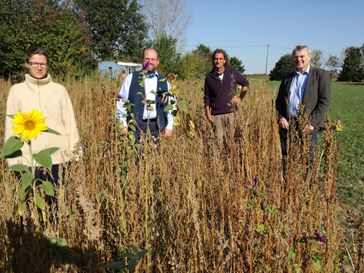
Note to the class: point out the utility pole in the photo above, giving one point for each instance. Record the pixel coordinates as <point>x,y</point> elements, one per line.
<point>266,59</point>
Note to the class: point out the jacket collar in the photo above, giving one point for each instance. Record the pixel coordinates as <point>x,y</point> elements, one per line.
<point>216,75</point>
<point>33,81</point>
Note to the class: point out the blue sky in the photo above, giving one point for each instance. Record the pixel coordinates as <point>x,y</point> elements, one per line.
<point>244,28</point>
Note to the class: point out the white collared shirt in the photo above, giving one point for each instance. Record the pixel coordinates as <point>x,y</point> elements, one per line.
<point>150,111</point>
<point>297,90</point>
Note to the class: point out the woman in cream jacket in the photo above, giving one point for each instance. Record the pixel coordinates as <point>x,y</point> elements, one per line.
<point>39,92</point>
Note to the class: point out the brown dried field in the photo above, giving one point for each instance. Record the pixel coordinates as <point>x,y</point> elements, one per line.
<point>188,206</point>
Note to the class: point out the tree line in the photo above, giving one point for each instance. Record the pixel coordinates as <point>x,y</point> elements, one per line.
<point>351,69</point>
<point>80,33</point>
<point>77,33</point>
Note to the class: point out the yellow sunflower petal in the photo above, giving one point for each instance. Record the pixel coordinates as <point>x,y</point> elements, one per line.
<point>30,125</point>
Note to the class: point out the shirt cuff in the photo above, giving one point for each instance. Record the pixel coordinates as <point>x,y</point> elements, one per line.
<point>169,125</point>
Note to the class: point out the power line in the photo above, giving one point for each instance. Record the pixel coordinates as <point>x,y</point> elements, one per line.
<point>229,46</point>
<point>258,46</point>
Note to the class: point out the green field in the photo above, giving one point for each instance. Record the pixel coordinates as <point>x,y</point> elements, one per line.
<point>348,106</point>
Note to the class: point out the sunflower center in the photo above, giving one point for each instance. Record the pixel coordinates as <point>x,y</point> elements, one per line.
<point>29,125</point>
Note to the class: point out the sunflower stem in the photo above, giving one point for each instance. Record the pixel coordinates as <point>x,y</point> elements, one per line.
<point>32,169</point>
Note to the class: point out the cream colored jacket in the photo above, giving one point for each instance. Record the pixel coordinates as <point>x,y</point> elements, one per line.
<point>53,101</point>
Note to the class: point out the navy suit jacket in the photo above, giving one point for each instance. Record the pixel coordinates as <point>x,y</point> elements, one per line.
<point>316,97</point>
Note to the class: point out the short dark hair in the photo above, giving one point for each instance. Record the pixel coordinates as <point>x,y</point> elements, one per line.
<point>219,50</point>
<point>36,50</point>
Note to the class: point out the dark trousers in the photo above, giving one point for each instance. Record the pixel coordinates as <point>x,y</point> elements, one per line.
<point>150,125</point>
<point>52,176</point>
<point>283,133</point>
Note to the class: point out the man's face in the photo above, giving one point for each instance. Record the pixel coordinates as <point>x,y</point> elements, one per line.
<point>219,61</point>
<point>301,59</point>
<point>151,60</point>
<point>37,66</point>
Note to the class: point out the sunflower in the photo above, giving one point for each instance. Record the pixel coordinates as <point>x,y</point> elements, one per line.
<point>30,125</point>
<point>171,77</point>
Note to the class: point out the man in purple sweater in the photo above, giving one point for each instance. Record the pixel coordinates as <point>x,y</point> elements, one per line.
<point>221,98</point>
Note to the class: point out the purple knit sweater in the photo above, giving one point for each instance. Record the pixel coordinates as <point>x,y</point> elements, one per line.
<point>218,94</point>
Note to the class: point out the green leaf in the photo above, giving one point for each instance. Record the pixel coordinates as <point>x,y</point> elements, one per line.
<point>115,266</point>
<point>44,159</point>
<point>169,107</point>
<point>132,127</point>
<point>22,208</point>
<point>18,168</point>
<point>61,242</point>
<point>51,131</point>
<point>296,268</point>
<point>48,188</point>
<point>317,266</point>
<point>39,201</point>
<point>12,145</point>
<point>250,205</point>
<point>135,258</point>
<point>271,209</point>
<point>260,229</point>
<point>26,179</point>
<point>26,182</point>
<point>182,106</point>
<point>292,254</point>
<point>23,192</point>
<point>51,150</point>
<point>17,153</point>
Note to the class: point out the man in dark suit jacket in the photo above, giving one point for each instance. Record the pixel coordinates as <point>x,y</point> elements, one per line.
<point>307,85</point>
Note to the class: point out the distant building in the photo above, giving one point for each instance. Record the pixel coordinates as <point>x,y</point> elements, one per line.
<point>129,67</point>
<point>114,69</point>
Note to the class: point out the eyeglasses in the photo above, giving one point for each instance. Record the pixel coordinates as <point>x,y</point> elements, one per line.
<point>35,65</point>
<point>150,59</point>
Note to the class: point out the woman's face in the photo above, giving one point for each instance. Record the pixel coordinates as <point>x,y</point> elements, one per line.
<point>38,66</point>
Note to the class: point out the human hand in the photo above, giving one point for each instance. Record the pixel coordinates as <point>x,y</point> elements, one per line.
<point>210,119</point>
<point>283,123</point>
<point>124,130</point>
<point>236,101</point>
<point>167,133</point>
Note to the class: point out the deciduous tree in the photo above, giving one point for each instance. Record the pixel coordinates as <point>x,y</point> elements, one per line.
<point>170,59</point>
<point>284,66</point>
<point>316,58</point>
<point>24,24</point>
<point>195,66</point>
<point>168,18</point>
<point>118,29</point>
<point>238,64</point>
<point>333,65</point>
<point>204,51</point>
